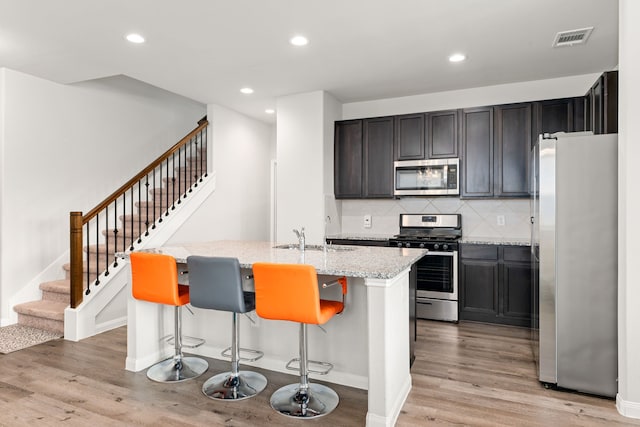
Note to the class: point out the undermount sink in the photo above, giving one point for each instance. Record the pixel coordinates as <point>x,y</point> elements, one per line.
<point>330,248</point>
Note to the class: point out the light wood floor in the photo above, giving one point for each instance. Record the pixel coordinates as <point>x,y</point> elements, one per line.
<point>466,374</point>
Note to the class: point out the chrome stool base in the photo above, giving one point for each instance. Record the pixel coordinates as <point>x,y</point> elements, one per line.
<point>225,386</point>
<point>318,401</point>
<point>171,371</point>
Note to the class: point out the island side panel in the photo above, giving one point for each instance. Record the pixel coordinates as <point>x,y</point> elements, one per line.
<point>388,330</point>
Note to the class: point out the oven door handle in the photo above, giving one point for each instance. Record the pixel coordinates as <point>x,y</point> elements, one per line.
<point>437,253</point>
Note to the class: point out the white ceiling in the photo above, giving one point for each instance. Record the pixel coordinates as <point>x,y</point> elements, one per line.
<point>359,50</point>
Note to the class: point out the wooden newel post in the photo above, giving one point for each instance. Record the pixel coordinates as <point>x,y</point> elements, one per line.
<point>75,234</point>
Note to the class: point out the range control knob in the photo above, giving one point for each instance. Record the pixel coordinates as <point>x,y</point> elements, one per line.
<point>421,245</point>
<point>408,245</point>
<point>436,246</point>
<point>445,246</point>
<point>399,244</point>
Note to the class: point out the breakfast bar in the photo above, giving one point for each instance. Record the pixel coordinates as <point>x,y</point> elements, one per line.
<point>368,343</point>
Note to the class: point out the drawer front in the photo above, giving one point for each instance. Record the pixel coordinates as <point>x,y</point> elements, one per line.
<point>517,253</point>
<point>488,252</point>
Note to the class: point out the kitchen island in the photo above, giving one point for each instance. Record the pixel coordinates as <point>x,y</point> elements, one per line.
<point>368,344</point>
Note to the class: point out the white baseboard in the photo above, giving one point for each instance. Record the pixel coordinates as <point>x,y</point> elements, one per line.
<point>627,408</point>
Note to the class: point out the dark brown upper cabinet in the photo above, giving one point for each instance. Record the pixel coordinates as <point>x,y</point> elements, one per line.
<point>557,115</point>
<point>426,135</point>
<point>348,155</point>
<point>363,158</point>
<point>476,149</point>
<point>378,157</point>
<point>512,148</point>
<point>442,134</point>
<point>409,138</point>
<point>601,112</point>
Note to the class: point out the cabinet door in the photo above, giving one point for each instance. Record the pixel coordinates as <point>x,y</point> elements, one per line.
<point>442,134</point>
<point>348,152</point>
<point>512,148</point>
<point>478,290</point>
<point>552,116</point>
<point>378,157</point>
<point>516,294</point>
<point>477,152</point>
<point>409,140</point>
<point>603,104</point>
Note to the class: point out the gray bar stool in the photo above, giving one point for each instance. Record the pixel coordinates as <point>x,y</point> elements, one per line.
<point>216,284</point>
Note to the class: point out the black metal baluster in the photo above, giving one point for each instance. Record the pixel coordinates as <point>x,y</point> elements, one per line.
<point>106,241</point>
<point>196,172</point>
<point>139,214</point>
<point>173,180</point>
<point>205,144</point>
<point>190,161</point>
<point>155,194</point>
<point>115,229</point>
<point>132,237</point>
<point>180,173</point>
<point>97,250</point>
<point>166,167</point>
<point>86,233</point>
<point>146,186</point>
<point>203,153</point>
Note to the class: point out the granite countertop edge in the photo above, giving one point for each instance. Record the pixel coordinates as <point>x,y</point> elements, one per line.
<point>495,241</point>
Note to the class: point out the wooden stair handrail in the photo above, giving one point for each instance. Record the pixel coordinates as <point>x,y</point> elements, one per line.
<point>106,202</point>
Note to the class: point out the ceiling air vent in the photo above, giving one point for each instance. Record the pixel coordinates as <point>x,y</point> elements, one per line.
<point>569,38</point>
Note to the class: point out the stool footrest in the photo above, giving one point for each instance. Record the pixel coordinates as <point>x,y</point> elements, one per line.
<point>256,355</point>
<point>187,342</point>
<point>323,368</point>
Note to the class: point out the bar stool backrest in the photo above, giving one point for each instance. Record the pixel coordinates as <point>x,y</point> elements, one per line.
<point>154,278</point>
<point>287,292</point>
<point>216,283</point>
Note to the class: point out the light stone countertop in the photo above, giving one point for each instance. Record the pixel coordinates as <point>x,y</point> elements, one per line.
<point>496,241</point>
<point>350,261</point>
<point>356,236</point>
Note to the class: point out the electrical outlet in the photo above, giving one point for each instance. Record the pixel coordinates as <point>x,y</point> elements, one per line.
<point>500,220</point>
<point>367,221</point>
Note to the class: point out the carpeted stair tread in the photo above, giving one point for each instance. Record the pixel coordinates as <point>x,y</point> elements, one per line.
<point>58,286</point>
<point>53,310</point>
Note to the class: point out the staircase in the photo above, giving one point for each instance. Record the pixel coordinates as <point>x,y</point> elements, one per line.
<point>48,313</point>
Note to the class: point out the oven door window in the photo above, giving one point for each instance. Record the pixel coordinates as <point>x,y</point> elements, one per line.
<point>435,273</point>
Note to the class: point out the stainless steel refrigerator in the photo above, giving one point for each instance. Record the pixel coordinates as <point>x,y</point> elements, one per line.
<point>574,251</point>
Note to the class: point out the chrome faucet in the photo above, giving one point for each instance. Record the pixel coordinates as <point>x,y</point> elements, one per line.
<point>300,236</point>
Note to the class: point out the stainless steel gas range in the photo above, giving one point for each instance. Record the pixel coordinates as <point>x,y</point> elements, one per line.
<point>437,272</point>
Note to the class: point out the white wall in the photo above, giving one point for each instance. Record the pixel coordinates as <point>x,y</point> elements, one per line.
<point>300,170</point>
<point>465,98</point>
<point>66,148</point>
<point>239,209</point>
<point>628,399</point>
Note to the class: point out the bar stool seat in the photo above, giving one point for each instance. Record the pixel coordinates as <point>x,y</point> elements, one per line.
<point>154,278</point>
<point>216,284</point>
<point>290,292</point>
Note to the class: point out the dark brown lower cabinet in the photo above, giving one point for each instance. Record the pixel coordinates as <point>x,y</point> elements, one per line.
<point>495,284</point>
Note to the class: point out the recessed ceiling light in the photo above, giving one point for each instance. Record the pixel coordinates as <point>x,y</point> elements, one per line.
<point>457,57</point>
<point>135,38</point>
<point>299,41</point>
<point>246,90</point>
<point>269,111</point>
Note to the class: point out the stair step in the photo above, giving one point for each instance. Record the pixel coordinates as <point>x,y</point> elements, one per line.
<point>52,310</point>
<point>47,315</point>
<point>101,248</point>
<point>56,290</point>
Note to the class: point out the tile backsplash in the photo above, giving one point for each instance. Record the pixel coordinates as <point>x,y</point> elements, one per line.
<point>480,218</point>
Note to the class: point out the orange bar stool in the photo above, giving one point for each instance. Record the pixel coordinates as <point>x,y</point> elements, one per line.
<point>290,292</point>
<point>154,278</point>
<point>216,284</point>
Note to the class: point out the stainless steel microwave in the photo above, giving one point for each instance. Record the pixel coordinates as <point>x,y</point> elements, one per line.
<point>435,177</point>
